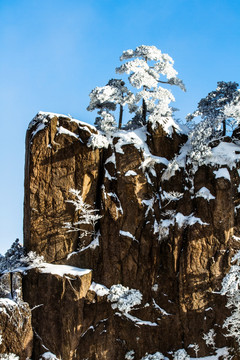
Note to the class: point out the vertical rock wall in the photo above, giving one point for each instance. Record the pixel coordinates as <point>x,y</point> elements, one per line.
<point>163,236</point>
<point>57,159</point>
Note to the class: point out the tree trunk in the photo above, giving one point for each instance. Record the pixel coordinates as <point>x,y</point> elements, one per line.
<point>144,112</point>
<point>224,127</point>
<point>120,117</point>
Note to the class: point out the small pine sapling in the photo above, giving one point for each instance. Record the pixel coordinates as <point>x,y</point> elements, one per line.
<point>209,338</point>
<point>123,298</point>
<point>181,354</point>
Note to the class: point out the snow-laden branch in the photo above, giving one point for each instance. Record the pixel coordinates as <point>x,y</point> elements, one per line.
<point>231,288</point>
<point>87,215</point>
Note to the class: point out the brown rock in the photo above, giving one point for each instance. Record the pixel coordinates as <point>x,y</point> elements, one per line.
<point>58,310</point>
<point>57,159</point>
<point>157,236</point>
<point>15,318</point>
<point>164,145</point>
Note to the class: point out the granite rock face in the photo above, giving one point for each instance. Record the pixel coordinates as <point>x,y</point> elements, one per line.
<point>170,237</point>
<point>16,332</point>
<point>58,315</point>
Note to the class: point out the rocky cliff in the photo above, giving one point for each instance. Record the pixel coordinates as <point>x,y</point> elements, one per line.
<point>144,276</point>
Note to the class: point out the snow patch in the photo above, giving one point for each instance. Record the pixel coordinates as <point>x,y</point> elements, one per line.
<point>93,245</point>
<point>222,173</point>
<point>163,228</point>
<point>149,203</point>
<point>99,289</point>
<point>108,176</point>
<point>205,193</point>
<point>48,356</point>
<point>40,127</point>
<point>130,355</point>
<point>123,298</point>
<point>219,354</point>
<point>130,173</point>
<point>9,356</point>
<point>156,356</point>
<point>119,206</point>
<point>62,130</point>
<point>138,138</point>
<point>127,234</point>
<point>183,220</point>
<point>62,270</point>
<point>98,141</point>
<point>111,159</point>
<point>224,154</point>
<point>171,196</point>
<point>177,163</point>
<point>208,309</point>
<point>165,313</point>
<point>51,115</point>
<point>138,321</point>
<point>155,287</point>
<point>7,303</point>
<point>236,238</point>
<point>90,328</point>
<point>181,354</point>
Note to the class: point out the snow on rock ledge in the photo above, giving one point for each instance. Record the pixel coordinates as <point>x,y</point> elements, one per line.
<point>62,270</point>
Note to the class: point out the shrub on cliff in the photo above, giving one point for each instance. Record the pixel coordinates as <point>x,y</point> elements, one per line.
<point>123,298</point>
<point>231,288</point>
<point>87,216</point>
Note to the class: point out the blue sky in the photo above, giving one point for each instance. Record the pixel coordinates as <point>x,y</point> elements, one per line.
<point>54,52</point>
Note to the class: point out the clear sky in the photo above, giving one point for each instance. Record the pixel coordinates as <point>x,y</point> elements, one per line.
<point>54,52</point>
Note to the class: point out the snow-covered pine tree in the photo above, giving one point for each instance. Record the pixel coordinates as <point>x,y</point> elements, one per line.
<point>106,99</point>
<point>232,113</point>
<point>212,110</point>
<point>146,65</point>
<point>16,257</point>
<point>12,257</point>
